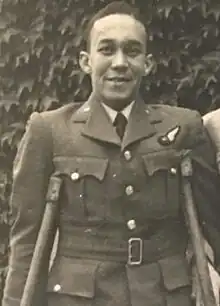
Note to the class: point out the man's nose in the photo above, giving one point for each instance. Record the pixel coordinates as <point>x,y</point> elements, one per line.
<point>119,61</point>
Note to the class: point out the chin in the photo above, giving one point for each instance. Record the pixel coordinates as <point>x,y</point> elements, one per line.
<point>119,97</point>
<point>118,102</point>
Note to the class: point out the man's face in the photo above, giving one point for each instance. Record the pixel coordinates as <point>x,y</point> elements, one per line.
<point>117,59</point>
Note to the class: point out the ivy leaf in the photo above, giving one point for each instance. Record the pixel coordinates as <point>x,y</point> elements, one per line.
<point>10,32</point>
<point>197,69</point>
<point>47,102</point>
<point>32,103</point>
<point>209,80</point>
<point>215,10</point>
<point>166,6</point>
<point>23,58</point>
<point>19,126</point>
<point>185,82</point>
<point>66,24</point>
<point>7,137</point>
<point>26,85</point>
<point>212,58</point>
<point>7,104</point>
<point>3,24</point>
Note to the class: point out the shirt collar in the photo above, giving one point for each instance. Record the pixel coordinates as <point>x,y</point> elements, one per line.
<point>113,113</point>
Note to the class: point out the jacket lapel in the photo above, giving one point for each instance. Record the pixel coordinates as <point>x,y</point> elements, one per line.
<point>97,123</point>
<point>141,123</point>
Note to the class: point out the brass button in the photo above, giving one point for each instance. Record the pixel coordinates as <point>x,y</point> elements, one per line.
<point>173,170</point>
<point>127,155</point>
<point>129,190</point>
<point>75,176</point>
<point>57,288</point>
<point>131,224</point>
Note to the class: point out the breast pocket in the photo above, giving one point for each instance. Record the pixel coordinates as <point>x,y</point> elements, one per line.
<point>83,191</point>
<point>163,181</point>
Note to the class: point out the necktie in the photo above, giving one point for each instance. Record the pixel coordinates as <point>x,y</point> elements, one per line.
<point>120,123</point>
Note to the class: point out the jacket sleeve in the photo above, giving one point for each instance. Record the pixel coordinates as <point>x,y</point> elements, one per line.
<point>212,124</point>
<point>31,172</point>
<point>206,184</point>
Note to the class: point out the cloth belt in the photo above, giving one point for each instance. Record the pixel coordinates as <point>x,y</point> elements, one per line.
<point>133,251</point>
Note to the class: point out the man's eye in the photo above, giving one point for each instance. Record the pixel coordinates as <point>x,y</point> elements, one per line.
<point>107,50</point>
<point>133,51</point>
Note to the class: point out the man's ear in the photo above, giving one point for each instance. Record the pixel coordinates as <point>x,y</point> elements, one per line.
<point>149,64</point>
<point>84,62</point>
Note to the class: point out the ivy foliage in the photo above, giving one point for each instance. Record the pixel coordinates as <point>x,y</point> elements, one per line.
<point>39,45</point>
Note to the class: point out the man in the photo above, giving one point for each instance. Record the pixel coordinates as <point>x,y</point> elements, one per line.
<point>212,123</point>
<point>122,233</point>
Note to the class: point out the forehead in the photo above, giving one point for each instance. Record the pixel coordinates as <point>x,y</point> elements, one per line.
<point>118,27</point>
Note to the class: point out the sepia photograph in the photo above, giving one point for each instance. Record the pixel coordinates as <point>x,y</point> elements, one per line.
<point>109,153</point>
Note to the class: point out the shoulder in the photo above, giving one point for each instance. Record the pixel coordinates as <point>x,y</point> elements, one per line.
<point>212,124</point>
<point>61,113</point>
<point>212,119</point>
<point>188,123</point>
<point>51,117</point>
<point>182,115</point>
<point>189,120</point>
<point>41,125</point>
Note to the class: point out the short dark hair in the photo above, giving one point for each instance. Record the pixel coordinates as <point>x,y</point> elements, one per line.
<point>116,7</point>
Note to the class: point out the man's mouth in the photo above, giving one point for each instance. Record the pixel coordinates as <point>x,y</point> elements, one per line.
<point>119,79</point>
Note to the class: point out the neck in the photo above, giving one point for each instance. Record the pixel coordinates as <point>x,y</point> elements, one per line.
<point>117,105</point>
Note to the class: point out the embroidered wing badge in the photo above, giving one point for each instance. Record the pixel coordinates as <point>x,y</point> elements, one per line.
<point>169,137</point>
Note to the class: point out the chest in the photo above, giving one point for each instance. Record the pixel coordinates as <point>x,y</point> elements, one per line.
<point>102,182</point>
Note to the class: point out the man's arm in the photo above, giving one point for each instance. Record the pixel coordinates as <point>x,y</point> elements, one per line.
<point>32,169</point>
<point>206,183</point>
<point>205,186</point>
<point>212,124</point>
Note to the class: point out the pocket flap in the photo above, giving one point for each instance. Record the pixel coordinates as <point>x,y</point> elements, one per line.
<point>82,165</point>
<point>75,277</point>
<point>175,272</point>
<point>161,160</point>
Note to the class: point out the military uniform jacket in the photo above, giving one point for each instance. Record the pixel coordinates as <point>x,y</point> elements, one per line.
<point>112,192</point>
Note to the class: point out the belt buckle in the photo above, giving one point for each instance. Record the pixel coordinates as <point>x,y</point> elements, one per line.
<point>139,244</point>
